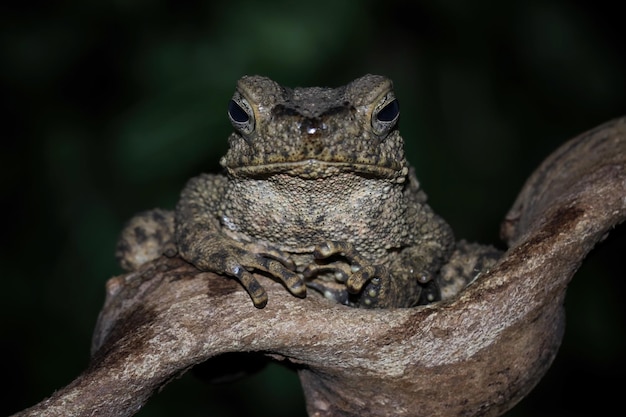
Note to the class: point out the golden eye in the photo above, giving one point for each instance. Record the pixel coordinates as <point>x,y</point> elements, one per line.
<point>241,114</point>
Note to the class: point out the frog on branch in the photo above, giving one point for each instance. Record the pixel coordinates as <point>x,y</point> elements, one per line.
<point>316,193</point>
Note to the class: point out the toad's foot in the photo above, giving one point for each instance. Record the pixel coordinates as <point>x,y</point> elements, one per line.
<point>239,259</point>
<point>360,276</point>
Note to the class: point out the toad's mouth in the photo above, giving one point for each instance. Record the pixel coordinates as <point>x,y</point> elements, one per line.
<point>315,168</point>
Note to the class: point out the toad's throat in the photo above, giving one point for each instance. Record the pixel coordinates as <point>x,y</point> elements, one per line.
<point>315,168</point>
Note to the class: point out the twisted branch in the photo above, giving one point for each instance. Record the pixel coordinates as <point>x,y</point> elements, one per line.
<point>477,353</point>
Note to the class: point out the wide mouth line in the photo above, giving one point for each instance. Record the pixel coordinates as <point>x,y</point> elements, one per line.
<point>311,164</point>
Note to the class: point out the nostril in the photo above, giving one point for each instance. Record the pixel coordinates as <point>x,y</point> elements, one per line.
<point>313,127</point>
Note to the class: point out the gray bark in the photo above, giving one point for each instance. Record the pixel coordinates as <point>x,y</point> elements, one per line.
<point>478,353</point>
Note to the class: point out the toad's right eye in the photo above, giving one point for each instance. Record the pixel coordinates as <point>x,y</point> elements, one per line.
<point>241,114</point>
<point>236,113</point>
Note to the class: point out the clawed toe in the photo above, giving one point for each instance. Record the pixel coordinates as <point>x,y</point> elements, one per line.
<point>252,286</point>
<point>359,275</point>
<point>340,270</point>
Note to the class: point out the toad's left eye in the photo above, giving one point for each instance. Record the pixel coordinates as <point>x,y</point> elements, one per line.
<point>389,113</point>
<point>385,115</point>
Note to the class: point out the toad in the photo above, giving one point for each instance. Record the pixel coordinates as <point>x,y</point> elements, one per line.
<point>315,193</point>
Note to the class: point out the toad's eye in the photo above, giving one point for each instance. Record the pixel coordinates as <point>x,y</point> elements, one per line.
<point>386,114</point>
<point>236,113</point>
<point>389,112</point>
<point>241,114</point>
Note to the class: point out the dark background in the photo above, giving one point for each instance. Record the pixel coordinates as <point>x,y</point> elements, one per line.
<point>108,107</point>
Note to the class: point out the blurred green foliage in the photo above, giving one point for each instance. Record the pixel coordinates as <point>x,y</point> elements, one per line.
<point>110,106</point>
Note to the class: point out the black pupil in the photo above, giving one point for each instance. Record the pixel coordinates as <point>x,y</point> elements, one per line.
<point>389,112</point>
<point>237,113</point>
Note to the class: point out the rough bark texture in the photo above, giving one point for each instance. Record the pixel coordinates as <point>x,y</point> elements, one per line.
<point>476,354</point>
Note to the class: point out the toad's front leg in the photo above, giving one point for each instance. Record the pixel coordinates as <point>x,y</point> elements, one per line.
<point>236,259</point>
<point>202,242</point>
<point>369,284</point>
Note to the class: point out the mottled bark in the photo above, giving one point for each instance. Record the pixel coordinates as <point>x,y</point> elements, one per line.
<point>475,354</point>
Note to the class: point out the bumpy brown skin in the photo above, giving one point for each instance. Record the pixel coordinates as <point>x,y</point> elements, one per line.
<point>145,237</point>
<point>316,192</point>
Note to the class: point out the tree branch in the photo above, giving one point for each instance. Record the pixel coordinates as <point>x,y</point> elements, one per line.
<point>478,353</point>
